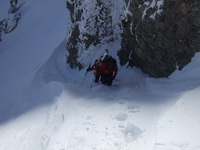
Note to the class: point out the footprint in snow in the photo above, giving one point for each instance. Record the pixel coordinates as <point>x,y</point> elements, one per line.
<point>133,109</point>
<point>131,132</point>
<point>121,117</point>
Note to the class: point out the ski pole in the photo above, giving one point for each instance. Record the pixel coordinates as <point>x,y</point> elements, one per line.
<point>92,83</point>
<point>85,75</point>
<point>84,78</point>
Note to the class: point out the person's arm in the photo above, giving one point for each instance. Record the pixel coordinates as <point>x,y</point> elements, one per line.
<point>91,68</point>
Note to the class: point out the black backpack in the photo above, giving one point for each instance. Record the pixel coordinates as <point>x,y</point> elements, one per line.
<point>112,62</point>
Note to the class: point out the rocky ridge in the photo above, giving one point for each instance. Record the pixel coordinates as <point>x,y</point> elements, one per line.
<point>158,36</point>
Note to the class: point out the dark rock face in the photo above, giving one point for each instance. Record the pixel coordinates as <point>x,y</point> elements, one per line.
<point>159,43</point>
<point>158,36</point>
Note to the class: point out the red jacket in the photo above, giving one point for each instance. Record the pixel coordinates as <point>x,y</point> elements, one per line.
<point>105,69</point>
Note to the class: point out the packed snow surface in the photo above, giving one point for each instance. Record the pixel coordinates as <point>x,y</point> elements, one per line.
<point>44,105</point>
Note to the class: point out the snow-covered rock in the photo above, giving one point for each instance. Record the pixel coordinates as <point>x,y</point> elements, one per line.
<point>158,36</point>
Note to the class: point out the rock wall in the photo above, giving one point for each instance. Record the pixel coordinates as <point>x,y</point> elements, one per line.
<point>93,22</point>
<point>163,36</point>
<point>158,36</point>
<point>8,24</point>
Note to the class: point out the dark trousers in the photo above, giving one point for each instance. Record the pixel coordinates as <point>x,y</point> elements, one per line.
<point>107,79</point>
<point>97,76</point>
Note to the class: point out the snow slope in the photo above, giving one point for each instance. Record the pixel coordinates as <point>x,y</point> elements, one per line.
<point>26,49</point>
<point>44,105</point>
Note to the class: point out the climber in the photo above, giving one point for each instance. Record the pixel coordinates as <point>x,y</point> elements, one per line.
<point>106,68</point>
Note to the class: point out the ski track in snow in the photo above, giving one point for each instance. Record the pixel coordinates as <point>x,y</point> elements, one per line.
<point>91,124</point>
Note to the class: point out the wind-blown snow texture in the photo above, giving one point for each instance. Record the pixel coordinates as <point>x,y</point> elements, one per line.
<point>44,105</point>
